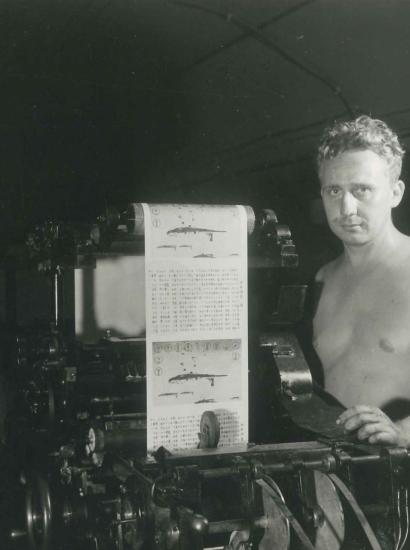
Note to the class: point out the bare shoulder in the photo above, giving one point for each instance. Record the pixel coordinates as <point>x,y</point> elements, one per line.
<point>327,271</point>
<point>406,246</point>
<point>401,259</point>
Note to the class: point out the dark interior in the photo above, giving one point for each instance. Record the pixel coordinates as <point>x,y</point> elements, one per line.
<point>217,101</point>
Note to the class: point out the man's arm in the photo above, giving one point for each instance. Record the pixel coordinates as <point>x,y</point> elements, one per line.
<point>320,275</point>
<point>373,425</point>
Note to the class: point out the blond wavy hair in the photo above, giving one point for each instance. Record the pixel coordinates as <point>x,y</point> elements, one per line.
<point>361,134</point>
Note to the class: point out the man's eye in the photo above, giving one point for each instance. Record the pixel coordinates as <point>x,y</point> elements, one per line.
<point>362,191</point>
<point>333,191</point>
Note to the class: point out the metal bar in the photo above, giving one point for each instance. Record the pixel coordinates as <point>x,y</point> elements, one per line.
<point>376,509</point>
<point>366,459</point>
<point>134,471</point>
<point>215,473</point>
<point>279,467</point>
<point>227,526</point>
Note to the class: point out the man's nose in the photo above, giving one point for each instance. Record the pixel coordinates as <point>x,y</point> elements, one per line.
<point>348,205</point>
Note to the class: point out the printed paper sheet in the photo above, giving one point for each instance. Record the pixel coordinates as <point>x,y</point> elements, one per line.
<point>196,322</point>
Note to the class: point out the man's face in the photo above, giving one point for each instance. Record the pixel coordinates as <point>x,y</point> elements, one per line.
<point>358,195</point>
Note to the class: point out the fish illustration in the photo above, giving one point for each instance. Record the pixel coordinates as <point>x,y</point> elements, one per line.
<point>186,230</point>
<point>195,376</point>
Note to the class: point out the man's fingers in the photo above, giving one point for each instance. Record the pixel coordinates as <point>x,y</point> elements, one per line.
<point>372,424</point>
<point>383,438</point>
<point>358,420</point>
<point>374,428</point>
<point>353,411</point>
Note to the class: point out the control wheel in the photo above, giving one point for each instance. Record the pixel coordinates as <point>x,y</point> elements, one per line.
<point>38,514</point>
<point>93,441</point>
<point>209,431</point>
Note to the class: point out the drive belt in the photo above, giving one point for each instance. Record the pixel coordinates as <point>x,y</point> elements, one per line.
<point>287,514</point>
<point>307,544</point>
<point>374,543</point>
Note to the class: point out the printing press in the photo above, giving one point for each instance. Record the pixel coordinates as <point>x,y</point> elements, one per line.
<point>78,425</point>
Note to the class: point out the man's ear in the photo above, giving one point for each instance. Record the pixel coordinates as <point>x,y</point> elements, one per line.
<point>398,192</point>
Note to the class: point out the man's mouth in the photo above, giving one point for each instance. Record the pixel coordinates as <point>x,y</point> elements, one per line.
<point>351,227</point>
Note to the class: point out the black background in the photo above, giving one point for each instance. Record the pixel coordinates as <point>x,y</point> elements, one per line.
<point>222,101</point>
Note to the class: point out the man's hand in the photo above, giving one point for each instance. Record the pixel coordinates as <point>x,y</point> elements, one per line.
<point>373,425</point>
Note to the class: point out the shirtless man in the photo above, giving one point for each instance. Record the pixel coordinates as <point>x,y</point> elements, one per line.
<point>362,324</point>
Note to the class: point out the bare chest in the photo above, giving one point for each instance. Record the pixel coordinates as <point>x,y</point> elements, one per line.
<point>371,315</point>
